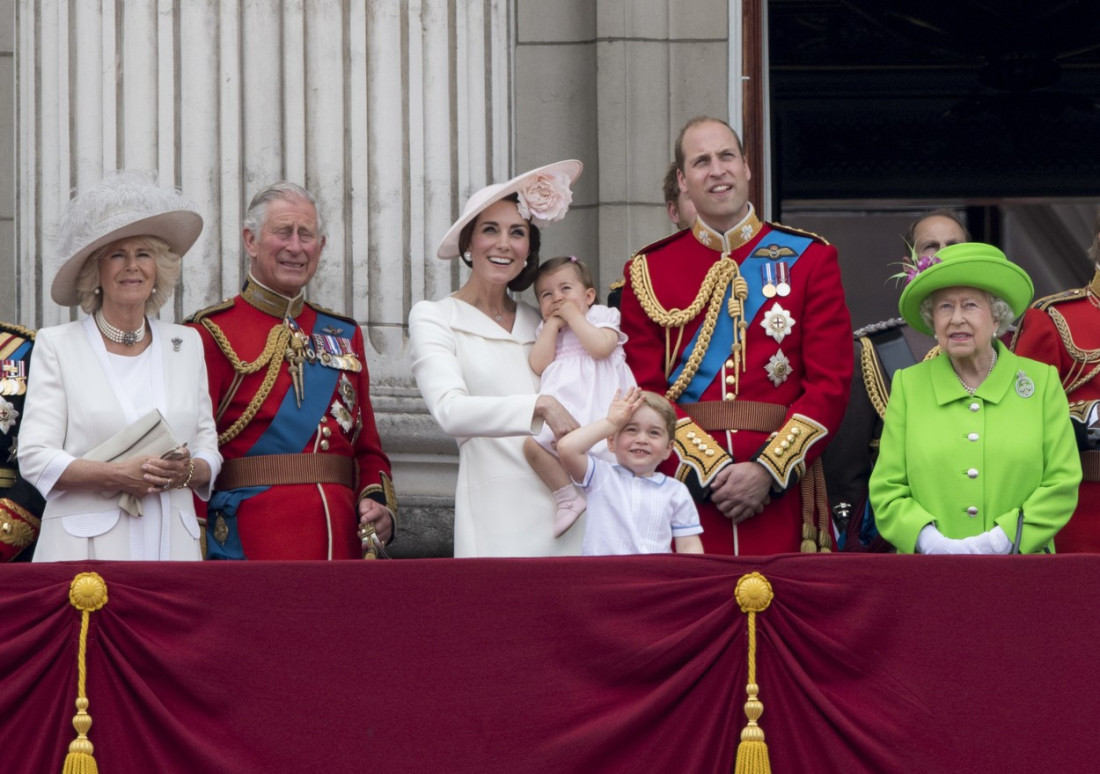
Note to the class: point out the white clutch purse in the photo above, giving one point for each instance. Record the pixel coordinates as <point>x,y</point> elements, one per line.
<point>149,436</point>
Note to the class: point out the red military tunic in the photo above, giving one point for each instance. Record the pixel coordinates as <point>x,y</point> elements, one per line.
<point>299,520</point>
<point>789,368</point>
<point>20,503</point>
<point>1064,330</point>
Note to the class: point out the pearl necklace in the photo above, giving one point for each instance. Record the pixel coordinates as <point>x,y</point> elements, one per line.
<point>971,390</point>
<point>117,335</point>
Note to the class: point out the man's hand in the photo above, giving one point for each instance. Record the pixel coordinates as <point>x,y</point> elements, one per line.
<point>740,491</point>
<point>373,512</point>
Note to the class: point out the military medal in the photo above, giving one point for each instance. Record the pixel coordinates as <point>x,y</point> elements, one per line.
<point>777,323</point>
<point>1025,388</point>
<point>8,415</point>
<point>783,287</point>
<point>778,368</point>
<point>769,280</point>
<point>342,416</point>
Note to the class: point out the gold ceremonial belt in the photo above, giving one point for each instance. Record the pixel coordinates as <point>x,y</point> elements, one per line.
<point>1090,466</point>
<point>274,469</point>
<point>736,415</point>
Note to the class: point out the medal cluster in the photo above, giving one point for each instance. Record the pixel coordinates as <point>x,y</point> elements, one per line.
<point>13,377</point>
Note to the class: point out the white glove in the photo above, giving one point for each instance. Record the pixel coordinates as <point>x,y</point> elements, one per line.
<point>993,542</point>
<point>931,541</point>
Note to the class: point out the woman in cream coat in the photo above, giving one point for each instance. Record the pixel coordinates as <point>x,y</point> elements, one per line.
<point>470,354</point>
<point>123,239</point>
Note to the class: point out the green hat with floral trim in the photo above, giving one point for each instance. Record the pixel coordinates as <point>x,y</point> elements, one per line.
<point>967,264</point>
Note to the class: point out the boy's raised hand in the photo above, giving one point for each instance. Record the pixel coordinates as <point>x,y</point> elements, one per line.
<point>623,406</point>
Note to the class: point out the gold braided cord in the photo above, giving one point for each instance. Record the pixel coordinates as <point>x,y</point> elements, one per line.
<point>872,377</point>
<point>277,340</point>
<point>711,292</point>
<point>1080,373</point>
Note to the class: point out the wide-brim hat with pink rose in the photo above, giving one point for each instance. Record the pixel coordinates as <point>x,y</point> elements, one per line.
<point>544,197</point>
<point>967,264</point>
<point>123,204</point>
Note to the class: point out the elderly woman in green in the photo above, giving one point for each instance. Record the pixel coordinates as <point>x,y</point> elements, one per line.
<point>977,453</point>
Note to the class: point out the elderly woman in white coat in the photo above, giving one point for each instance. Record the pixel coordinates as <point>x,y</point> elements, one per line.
<point>121,241</point>
<point>470,353</point>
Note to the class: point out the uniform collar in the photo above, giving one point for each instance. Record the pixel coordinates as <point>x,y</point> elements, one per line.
<point>741,234</point>
<point>1094,286</point>
<point>945,382</point>
<point>269,302</point>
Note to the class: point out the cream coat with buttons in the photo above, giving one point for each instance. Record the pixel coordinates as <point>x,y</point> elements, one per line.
<point>967,463</point>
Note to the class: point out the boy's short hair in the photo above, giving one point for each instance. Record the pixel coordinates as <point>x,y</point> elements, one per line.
<point>660,404</point>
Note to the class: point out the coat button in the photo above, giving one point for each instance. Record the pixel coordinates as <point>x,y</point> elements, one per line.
<point>972,511</point>
<point>974,406</point>
<point>729,396</point>
<point>730,379</point>
<point>730,364</point>
<point>973,473</point>
<point>973,437</point>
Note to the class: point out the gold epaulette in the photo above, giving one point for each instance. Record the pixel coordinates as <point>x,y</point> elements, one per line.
<point>616,285</point>
<point>1057,298</point>
<point>221,306</point>
<point>18,330</point>
<point>934,352</point>
<point>1081,409</point>
<point>785,453</point>
<point>874,380</point>
<point>801,231</point>
<point>331,313</point>
<point>699,453</point>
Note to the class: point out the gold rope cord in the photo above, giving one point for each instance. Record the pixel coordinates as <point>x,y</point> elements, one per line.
<point>711,292</point>
<point>1084,357</point>
<point>872,377</point>
<point>754,594</point>
<point>277,340</point>
<point>87,593</point>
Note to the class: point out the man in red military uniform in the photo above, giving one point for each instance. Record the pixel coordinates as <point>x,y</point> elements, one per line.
<point>304,475</point>
<point>743,325</point>
<point>20,503</point>
<point>1064,330</point>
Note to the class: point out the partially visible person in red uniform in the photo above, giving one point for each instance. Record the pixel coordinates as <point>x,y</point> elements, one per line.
<point>304,476</point>
<point>1064,330</point>
<point>743,325</point>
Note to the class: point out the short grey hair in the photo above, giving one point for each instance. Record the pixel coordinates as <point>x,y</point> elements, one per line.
<point>1003,316</point>
<point>164,283</point>
<point>284,189</point>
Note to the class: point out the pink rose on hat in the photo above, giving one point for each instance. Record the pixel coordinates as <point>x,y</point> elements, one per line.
<point>545,198</point>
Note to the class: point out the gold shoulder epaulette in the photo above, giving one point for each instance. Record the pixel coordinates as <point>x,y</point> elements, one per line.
<point>803,232</point>
<point>332,313</point>
<point>18,330</point>
<point>1057,298</point>
<point>221,306</point>
<point>617,284</point>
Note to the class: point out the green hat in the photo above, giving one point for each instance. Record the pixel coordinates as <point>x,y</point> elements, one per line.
<point>972,265</point>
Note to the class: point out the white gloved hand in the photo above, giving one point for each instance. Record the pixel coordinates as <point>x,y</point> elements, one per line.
<point>931,541</point>
<point>993,542</point>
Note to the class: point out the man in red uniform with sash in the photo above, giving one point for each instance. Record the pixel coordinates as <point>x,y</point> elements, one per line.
<point>743,325</point>
<point>304,476</point>
<point>20,503</point>
<point>1064,330</point>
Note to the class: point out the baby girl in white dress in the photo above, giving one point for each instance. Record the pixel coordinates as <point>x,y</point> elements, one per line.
<point>578,351</point>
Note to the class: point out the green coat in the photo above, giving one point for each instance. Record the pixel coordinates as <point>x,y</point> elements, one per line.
<point>967,463</point>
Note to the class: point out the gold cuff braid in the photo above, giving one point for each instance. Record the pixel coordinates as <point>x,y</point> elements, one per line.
<point>785,453</point>
<point>699,453</point>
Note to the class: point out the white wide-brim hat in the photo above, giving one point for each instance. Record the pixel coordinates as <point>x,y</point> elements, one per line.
<point>123,204</point>
<point>544,193</point>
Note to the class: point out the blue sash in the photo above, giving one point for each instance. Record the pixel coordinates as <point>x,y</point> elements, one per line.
<point>291,427</point>
<point>722,339</point>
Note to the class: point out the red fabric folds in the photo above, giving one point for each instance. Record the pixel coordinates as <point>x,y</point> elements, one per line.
<point>623,664</point>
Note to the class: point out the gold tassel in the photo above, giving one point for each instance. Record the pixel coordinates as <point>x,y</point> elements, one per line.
<point>754,594</point>
<point>87,593</point>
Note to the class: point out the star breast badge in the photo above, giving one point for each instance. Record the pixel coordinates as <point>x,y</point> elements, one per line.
<point>777,323</point>
<point>778,368</point>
